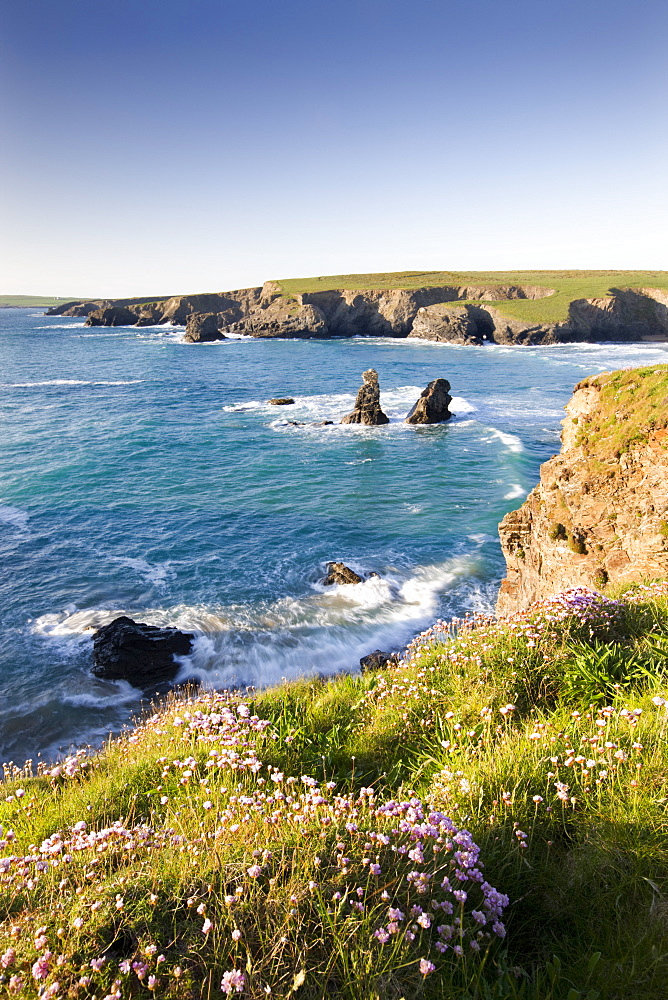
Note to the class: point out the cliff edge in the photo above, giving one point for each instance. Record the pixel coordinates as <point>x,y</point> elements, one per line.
<point>600,512</point>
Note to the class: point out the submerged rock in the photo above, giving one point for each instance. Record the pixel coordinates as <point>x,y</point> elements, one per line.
<point>432,406</point>
<point>281,401</point>
<point>340,573</point>
<point>378,660</point>
<point>367,405</point>
<point>138,653</point>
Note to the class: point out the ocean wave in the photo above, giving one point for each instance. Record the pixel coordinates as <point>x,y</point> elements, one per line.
<point>461,405</point>
<point>115,693</point>
<point>512,442</point>
<point>310,410</point>
<point>60,326</point>
<point>325,630</point>
<point>15,516</point>
<point>68,382</point>
<point>156,575</point>
<point>515,492</point>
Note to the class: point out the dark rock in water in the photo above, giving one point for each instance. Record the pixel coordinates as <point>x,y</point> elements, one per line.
<point>203,327</point>
<point>139,653</point>
<point>378,659</point>
<point>367,405</point>
<point>340,573</point>
<point>281,401</point>
<point>432,406</point>
<point>323,423</point>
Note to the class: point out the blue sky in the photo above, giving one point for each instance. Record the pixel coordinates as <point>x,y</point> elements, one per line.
<point>156,146</point>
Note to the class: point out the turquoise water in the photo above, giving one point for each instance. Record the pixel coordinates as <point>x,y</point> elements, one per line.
<point>145,476</point>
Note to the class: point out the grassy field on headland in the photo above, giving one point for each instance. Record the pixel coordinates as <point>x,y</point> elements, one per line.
<point>38,301</point>
<point>567,285</point>
<point>485,820</point>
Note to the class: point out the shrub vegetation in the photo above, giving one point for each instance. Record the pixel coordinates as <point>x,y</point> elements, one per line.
<point>487,819</point>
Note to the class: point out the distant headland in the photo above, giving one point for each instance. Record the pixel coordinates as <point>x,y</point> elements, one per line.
<point>459,307</point>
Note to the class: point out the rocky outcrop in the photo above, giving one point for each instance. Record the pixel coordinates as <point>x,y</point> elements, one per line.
<point>201,327</point>
<point>282,317</point>
<point>281,401</point>
<point>600,512</point>
<point>378,660</point>
<point>626,314</point>
<point>458,314</point>
<point>367,405</point>
<point>432,406</point>
<point>112,316</point>
<point>141,654</point>
<point>447,323</point>
<point>338,572</point>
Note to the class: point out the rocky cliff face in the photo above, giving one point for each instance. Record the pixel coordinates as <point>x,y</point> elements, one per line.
<point>600,512</point>
<point>466,314</point>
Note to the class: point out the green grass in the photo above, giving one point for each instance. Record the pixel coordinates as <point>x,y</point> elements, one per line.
<point>631,405</point>
<point>38,301</point>
<point>567,286</point>
<point>543,734</point>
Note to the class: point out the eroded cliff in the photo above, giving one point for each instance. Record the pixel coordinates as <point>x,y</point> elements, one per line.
<point>600,512</point>
<point>459,314</point>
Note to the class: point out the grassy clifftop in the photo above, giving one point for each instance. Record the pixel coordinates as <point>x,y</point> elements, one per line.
<point>631,405</point>
<point>485,820</point>
<point>566,285</point>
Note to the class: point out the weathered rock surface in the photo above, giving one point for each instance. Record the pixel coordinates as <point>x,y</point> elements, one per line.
<point>281,401</point>
<point>201,327</point>
<point>338,572</point>
<point>459,314</point>
<point>432,406</point>
<point>138,653</point>
<point>378,660</point>
<point>367,405</point>
<point>446,323</point>
<point>112,316</point>
<point>600,512</point>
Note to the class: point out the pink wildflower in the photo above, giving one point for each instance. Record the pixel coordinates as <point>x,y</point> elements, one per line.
<point>234,980</point>
<point>40,969</point>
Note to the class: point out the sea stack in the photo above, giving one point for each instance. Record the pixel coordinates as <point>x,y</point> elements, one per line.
<point>367,405</point>
<point>139,653</point>
<point>432,406</point>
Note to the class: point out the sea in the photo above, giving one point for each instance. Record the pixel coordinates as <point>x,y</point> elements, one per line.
<point>145,476</point>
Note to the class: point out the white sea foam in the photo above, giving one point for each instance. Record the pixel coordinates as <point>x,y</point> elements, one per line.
<point>107,694</point>
<point>156,575</point>
<point>511,441</point>
<point>308,411</point>
<point>61,326</point>
<point>461,405</point>
<point>68,382</point>
<point>323,631</point>
<point>15,516</point>
<point>515,492</point>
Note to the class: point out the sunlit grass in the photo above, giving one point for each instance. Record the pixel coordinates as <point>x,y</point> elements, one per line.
<point>566,286</point>
<point>302,841</point>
